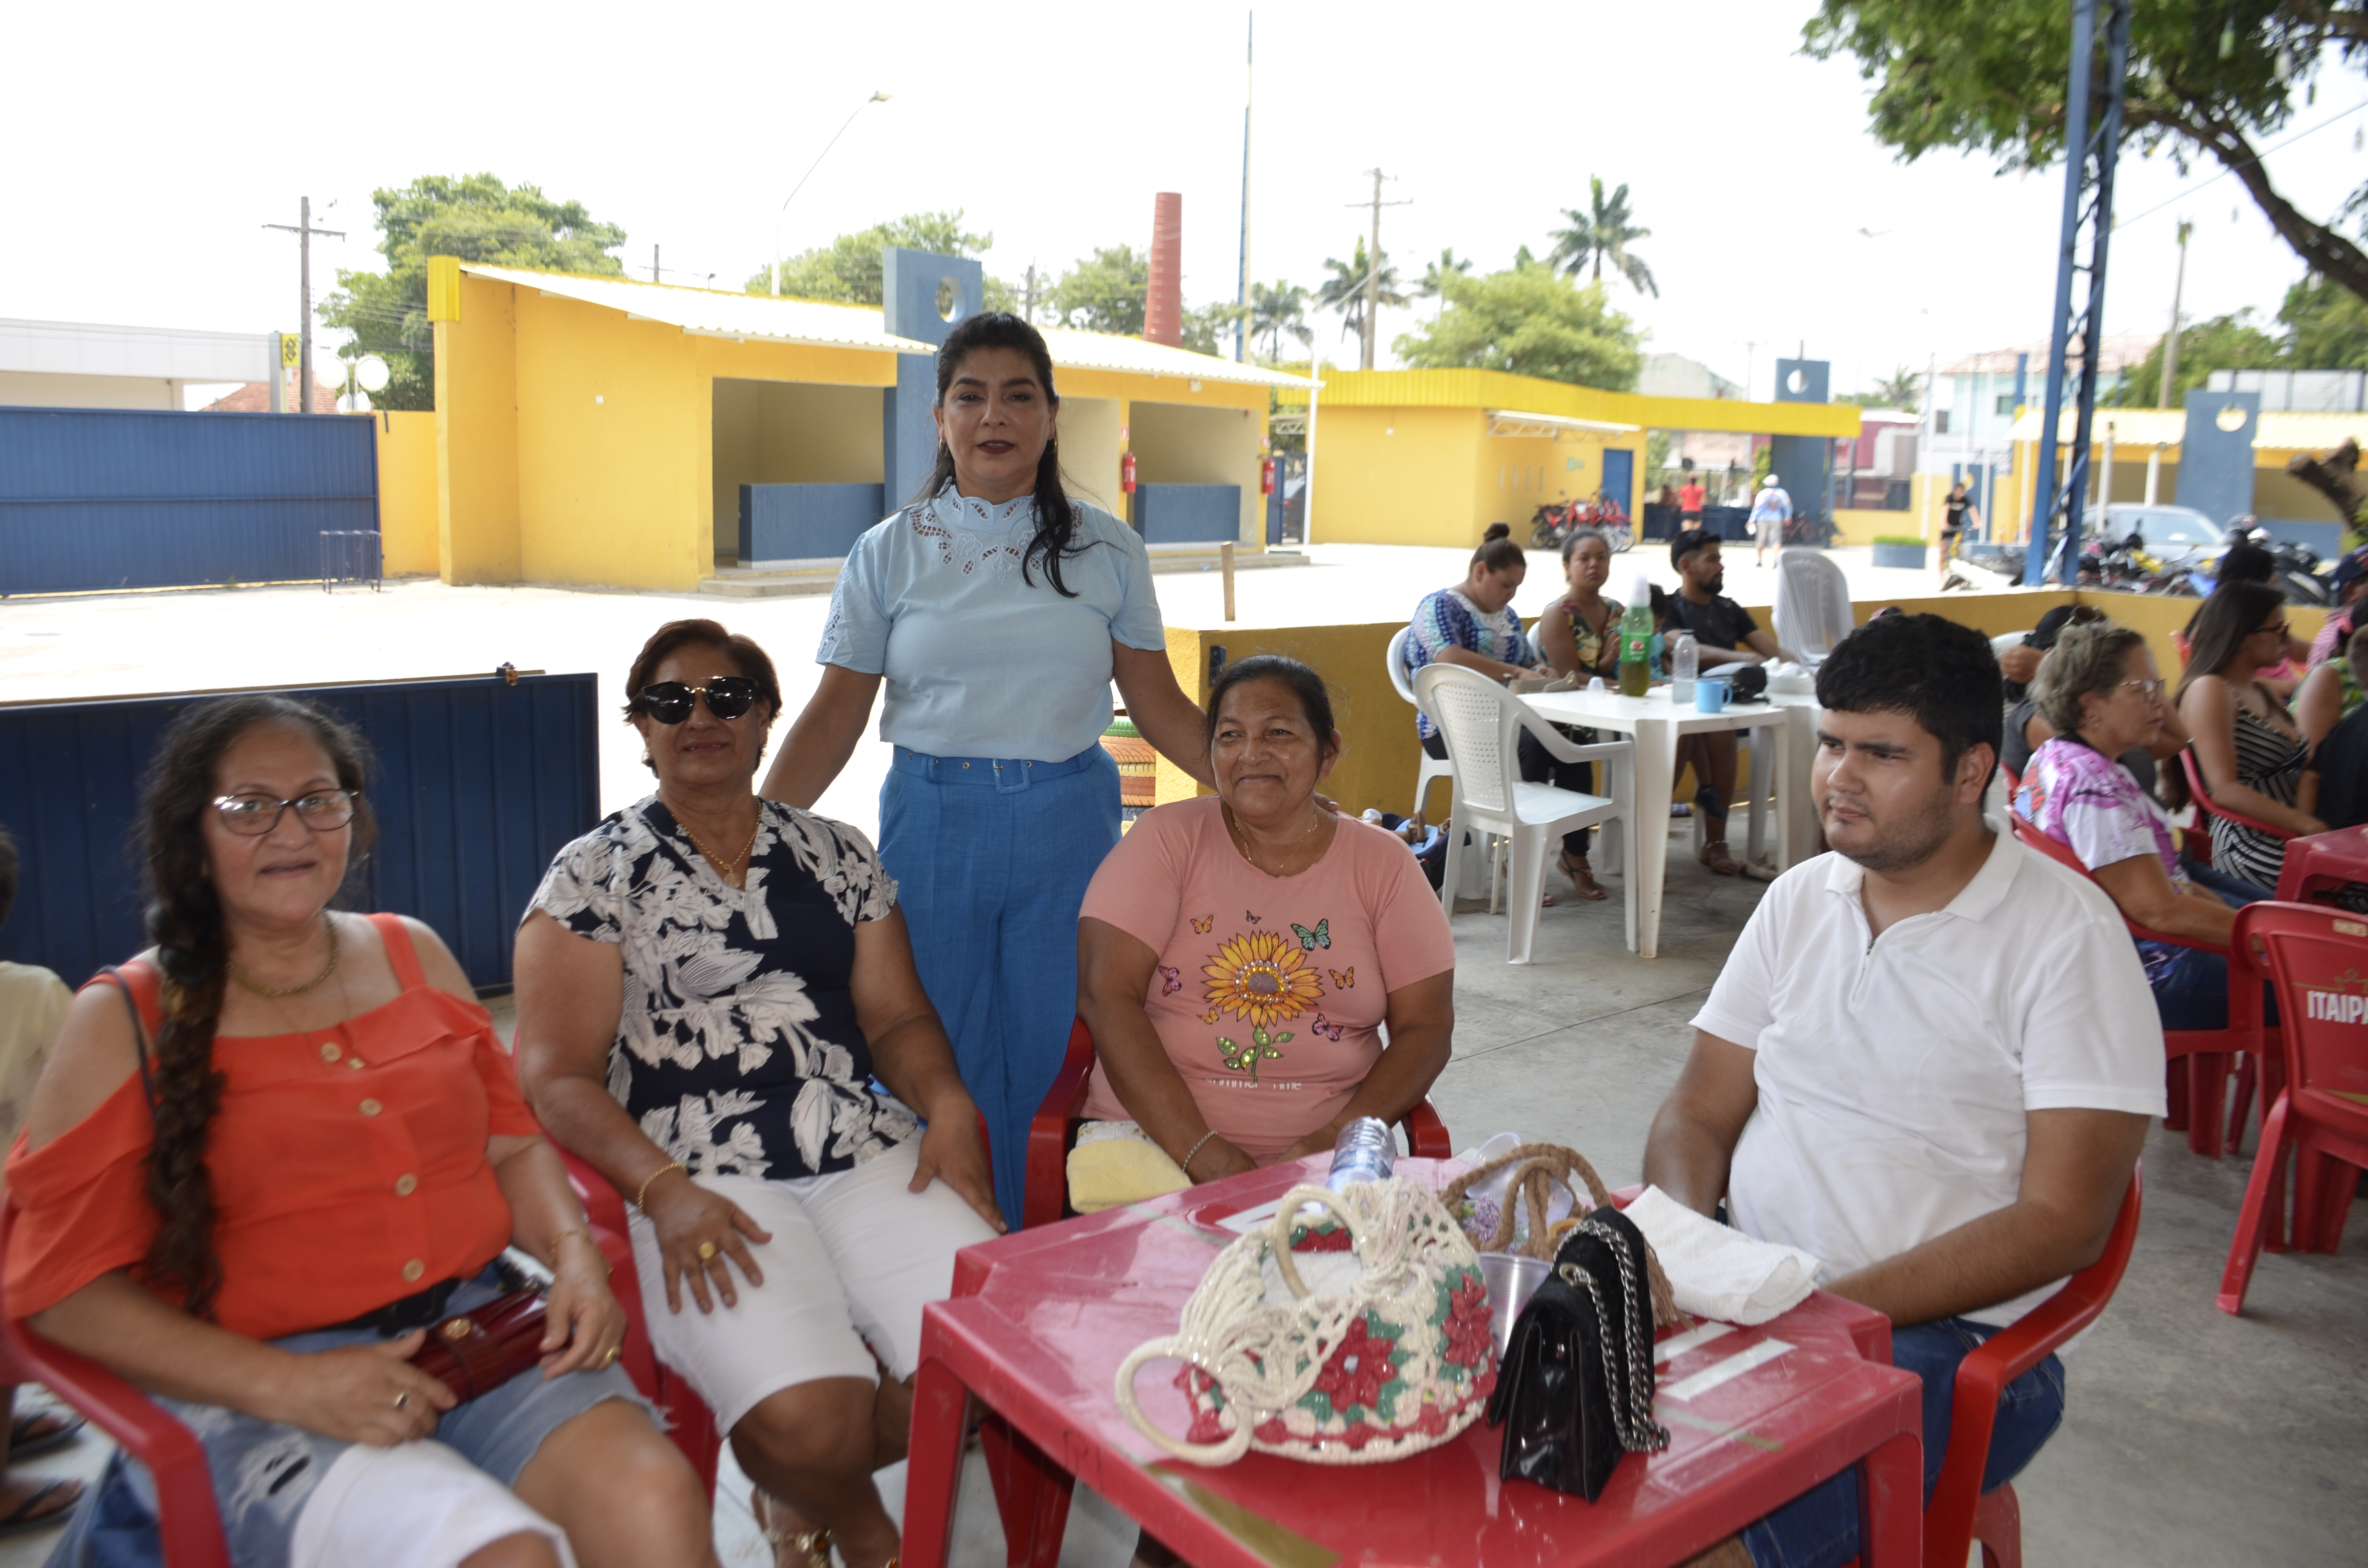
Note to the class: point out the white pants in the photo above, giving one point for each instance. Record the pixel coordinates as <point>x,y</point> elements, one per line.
<point>412,1505</point>
<point>853,1259</point>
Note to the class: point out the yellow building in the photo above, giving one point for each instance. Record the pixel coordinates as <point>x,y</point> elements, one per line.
<point>597,430</point>
<point>1433,457</point>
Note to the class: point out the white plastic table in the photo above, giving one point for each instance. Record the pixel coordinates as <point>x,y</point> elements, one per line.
<point>1656,724</point>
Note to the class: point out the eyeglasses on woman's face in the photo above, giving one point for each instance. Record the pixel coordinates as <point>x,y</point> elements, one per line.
<point>2149,689</point>
<point>252,816</point>
<point>2277,629</point>
<point>670,701</point>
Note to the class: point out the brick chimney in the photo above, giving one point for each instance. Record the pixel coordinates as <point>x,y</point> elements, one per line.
<point>1163,308</point>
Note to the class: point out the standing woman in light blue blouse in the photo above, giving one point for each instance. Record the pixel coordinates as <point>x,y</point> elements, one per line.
<point>998,610</point>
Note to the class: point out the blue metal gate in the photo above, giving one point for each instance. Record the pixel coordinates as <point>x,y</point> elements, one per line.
<point>477,783</point>
<point>120,498</point>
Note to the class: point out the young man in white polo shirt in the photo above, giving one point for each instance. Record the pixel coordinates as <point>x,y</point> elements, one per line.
<point>1930,1060</point>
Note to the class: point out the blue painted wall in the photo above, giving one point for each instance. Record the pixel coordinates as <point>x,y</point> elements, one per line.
<point>805,522</point>
<point>2216,466</point>
<point>477,784</point>
<point>109,498</point>
<point>908,286</point>
<point>1804,465</point>
<point>1187,514</point>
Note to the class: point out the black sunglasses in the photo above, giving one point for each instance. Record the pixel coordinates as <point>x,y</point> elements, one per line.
<point>669,701</point>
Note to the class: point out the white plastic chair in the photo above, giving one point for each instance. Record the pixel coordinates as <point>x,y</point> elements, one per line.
<point>1432,767</point>
<point>1483,724</point>
<point>1813,604</point>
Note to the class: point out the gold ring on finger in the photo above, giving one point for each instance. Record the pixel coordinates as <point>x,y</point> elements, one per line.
<point>609,1359</point>
<point>706,1251</point>
<point>403,1398</point>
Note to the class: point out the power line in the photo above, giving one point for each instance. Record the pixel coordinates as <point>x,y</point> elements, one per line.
<point>2225,173</point>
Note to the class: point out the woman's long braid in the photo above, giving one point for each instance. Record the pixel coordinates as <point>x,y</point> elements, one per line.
<point>184,921</point>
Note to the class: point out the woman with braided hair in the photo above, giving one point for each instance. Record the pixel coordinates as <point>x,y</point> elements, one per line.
<point>271,1150</point>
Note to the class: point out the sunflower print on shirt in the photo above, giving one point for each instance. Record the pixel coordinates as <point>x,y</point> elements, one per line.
<point>1263,978</point>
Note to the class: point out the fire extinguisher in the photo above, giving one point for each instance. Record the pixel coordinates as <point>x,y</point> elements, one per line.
<point>1126,472</point>
<point>1266,477</point>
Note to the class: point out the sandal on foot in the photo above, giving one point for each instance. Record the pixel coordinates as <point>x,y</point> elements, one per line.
<point>24,1441</point>
<point>1582,877</point>
<point>1713,855</point>
<point>807,1549</point>
<point>30,1515</point>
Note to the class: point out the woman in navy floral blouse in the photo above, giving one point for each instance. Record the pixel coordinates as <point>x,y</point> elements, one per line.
<point>718,1008</point>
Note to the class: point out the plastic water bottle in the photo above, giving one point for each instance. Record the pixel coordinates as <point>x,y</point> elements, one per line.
<point>1636,643</point>
<point>1685,662</point>
<point>1363,1151</point>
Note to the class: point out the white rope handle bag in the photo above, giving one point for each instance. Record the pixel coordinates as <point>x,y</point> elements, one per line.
<point>1390,1360</point>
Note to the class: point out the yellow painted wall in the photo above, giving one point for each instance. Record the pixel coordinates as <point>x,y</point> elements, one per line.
<point>1531,394</point>
<point>790,433</point>
<point>1090,448</point>
<point>1184,444</point>
<point>406,493</point>
<point>1400,476</point>
<point>476,434</point>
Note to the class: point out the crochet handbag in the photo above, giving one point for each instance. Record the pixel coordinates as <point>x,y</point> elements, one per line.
<point>1577,1387</point>
<point>1387,1353</point>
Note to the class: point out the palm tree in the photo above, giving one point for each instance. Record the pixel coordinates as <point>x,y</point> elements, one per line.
<point>1345,291</point>
<point>1603,234</point>
<point>1275,311</point>
<point>1435,276</point>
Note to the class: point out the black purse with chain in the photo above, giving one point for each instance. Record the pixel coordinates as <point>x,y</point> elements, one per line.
<point>1575,1390</point>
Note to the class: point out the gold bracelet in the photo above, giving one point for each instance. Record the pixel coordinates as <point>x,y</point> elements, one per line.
<point>589,1239</point>
<point>644,1192</point>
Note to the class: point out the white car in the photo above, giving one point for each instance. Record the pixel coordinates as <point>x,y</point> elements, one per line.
<point>2176,536</point>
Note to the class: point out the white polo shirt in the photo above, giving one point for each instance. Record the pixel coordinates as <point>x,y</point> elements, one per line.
<point>1894,1072</point>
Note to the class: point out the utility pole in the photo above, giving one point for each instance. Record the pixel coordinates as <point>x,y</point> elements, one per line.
<point>305,231</point>
<point>1242,278</point>
<point>1373,270</point>
<point>654,263</point>
<point>1028,308</point>
<point>2170,339</point>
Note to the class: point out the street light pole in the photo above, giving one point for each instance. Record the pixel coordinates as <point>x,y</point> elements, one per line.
<point>305,231</point>
<point>874,98</point>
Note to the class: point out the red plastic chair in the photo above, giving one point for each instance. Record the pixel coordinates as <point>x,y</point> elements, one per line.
<point>2197,1093</point>
<point>1054,1128</point>
<point>1959,1513</point>
<point>2203,801</point>
<point>188,1523</point>
<point>2323,862</point>
<point>2315,957</point>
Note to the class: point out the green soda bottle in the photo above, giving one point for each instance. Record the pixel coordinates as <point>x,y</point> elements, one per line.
<point>1636,643</point>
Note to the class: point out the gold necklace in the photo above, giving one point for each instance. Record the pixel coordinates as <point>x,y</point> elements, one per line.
<point>326,970</point>
<point>725,868</point>
<point>1242,838</point>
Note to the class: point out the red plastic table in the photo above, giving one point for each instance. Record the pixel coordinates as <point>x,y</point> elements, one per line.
<point>1040,1321</point>
<point>2323,861</point>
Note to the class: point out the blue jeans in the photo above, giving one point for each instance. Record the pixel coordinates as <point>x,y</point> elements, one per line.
<point>2191,988</point>
<point>991,859</point>
<point>1819,1528</point>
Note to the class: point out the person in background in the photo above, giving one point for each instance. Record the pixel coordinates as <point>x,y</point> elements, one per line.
<point>32,1009</point>
<point>1771,510</point>
<point>1691,497</point>
<point>998,612</point>
<point>1930,1060</point>
<point>1579,635</point>
<point>1219,1035</point>
<point>2340,762</point>
<point>1725,634</point>
<point>2026,729</point>
<point>2249,749</point>
<point>2102,696</point>
<point>2348,583</point>
<point>718,1009</point>
<point>2245,562</point>
<point>269,1153</point>
<point>1472,624</point>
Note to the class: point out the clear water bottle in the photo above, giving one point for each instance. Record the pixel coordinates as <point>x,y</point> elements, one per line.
<point>1685,662</point>
<point>1363,1151</point>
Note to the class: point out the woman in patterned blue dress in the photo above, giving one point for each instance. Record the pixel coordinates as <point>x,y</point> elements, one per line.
<point>718,1008</point>
<point>1472,624</point>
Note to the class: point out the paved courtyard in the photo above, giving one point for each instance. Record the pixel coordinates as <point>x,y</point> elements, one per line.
<point>2190,1437</point>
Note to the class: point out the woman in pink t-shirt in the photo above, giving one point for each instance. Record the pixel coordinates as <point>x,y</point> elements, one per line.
<point>1238,956</point>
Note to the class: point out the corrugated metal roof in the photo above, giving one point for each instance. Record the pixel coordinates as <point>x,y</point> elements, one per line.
<point>1516,422</point>
<point>2121,350</point>
<point>763,318</point>
<point>2277,431</point>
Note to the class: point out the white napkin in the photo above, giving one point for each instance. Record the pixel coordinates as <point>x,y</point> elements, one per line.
<point>1716,1271</point>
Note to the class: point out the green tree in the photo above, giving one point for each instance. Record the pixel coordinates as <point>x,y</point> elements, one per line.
<point>847,270</point>
<point>1901,390</point>
<point>1275,311</point>
<point>2327,325</point>
<point>2206,77</point>
<point>475,218</point>
<point>1531,320</point>
<point>1208,329</point>
<point>1105,292</point>
<point>1345,291</point>
<point>1600,234</point>
<point>2223,343</point>
<point>1435,273</point>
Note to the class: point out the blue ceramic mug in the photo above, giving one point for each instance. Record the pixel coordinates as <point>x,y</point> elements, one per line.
<point>1711,694</point>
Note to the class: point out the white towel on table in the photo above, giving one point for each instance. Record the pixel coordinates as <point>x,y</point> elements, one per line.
<point>1716,1271</point>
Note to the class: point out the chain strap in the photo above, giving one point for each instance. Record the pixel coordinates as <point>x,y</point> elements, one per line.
<point>1636,1430</point>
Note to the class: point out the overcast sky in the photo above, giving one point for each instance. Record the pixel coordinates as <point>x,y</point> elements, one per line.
<point>148,144</point>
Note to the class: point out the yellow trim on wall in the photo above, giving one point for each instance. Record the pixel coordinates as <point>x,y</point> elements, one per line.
<point>1497,388</point>
<point>443,288</point>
